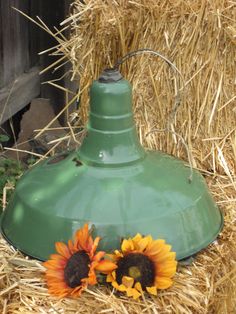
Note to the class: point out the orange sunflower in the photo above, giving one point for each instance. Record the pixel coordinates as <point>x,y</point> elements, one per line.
<point>74,267</point>
<point>143,264</point>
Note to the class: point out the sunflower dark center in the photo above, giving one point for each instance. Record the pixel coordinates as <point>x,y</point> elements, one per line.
<point>137,266</point>
<point>76,269</point>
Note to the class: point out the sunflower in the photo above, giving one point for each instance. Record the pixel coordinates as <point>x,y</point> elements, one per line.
<point>74,267</point>
<point>143,264</point>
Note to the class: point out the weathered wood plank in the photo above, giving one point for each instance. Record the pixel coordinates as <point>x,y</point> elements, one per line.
<point>36,34</point>
<point>19,93</point>
<point>52,17</point>
<point>14,40</point>
<point>20,42</point>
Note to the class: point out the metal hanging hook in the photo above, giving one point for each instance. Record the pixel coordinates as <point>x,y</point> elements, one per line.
<point>177,97</point>
<point>172,65</point>
<point>150,51</point>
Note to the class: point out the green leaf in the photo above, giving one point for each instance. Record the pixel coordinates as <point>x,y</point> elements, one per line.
<point>4,138</point>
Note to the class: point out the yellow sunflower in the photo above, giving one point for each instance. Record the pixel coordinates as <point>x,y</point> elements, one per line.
<point>143,264</point>
<point>74,267</point>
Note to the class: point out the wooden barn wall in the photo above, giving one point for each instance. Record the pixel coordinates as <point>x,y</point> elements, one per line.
<point>20,42</point>
<point>14,36</point>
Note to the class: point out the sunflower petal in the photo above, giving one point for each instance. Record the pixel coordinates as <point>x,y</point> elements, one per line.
<point>98,256</point>
<point>106,266</point>
<point>114,274</point>
<point>92,279</point>
<point>157,246</point>
<point>54,264</point>
<point>152,290</point>
<point>137,238</point>
<point>131,292</point>
<point>166,269</point>
<point>53,282</point>
<point>89,245</point>
<point>163,282</point>
<point>54,273</point>
<point>71,247</point>
<point>122,288</point>
<point>59,293</point>
<point>115,285</point>
<point>127,246</point>
<point>118,287</point>
<point>58,257</point>
<point>95,245</point>
<point>138,286</point>
<point>63,249</point>
<point>76,292</point>
<point>81,238</point>
<point>164,257</point>
<point>143,243</point>
<point>127,281</point>
<point>60,285</point>
<point>117,255</point>
<point>110,278</point>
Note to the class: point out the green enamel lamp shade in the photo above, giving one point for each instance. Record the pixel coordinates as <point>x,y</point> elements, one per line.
<point>112,183</point>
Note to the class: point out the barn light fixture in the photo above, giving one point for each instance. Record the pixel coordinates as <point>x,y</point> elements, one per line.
<point>112,183</point>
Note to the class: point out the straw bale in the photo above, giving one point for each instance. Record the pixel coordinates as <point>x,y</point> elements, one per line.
<point>198,36</point>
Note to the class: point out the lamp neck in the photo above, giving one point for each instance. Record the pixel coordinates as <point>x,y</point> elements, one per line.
<point>111,134</point>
